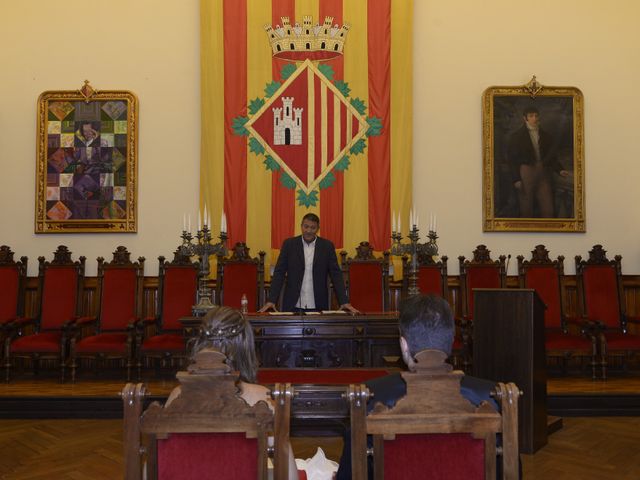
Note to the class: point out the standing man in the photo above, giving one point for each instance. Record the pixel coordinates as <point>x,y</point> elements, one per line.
<point>306,262</point>
<point>532,155</point>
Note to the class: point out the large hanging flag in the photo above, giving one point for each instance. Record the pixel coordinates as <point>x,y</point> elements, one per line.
<point>306,107</point>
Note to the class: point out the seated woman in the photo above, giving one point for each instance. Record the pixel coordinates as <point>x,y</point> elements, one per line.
<point>226,330</point>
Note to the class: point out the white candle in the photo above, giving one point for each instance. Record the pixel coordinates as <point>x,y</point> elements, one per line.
<point>435,223</point>
<point>199,223</point>
<point>184,222</point>
<point>399,222</point>
<point>204,218</point>
<point>189,224</point>
<point>417,219</point>
<point>224,221</point>
<point>431,222</point>
<point>393,222</point>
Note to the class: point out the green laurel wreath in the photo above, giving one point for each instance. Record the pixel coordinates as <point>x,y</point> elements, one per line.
<point>306,199</point>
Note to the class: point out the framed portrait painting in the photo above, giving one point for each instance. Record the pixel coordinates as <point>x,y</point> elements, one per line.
<point>86,161</point>
<point>533,158</point>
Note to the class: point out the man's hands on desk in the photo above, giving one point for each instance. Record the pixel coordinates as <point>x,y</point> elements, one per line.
<point>347,307</point>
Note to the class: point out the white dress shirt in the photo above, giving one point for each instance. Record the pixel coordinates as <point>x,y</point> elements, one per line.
<point>307,298</point>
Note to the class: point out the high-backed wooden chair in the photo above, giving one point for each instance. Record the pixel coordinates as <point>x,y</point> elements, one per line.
<point>60,286</point>
<point>434,432</point>
<point>205,429</point>
<point>432,275</point>
<point>240,275</point>
<point>545,277</point>
<point>602,301</point>
<point>161,337</point>
<point>111,335</point>
<point>366,278</point>
<point>13,276</point>
<point>479,272</point>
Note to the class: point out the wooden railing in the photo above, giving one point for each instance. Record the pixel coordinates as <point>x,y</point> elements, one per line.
<point>631,288</point>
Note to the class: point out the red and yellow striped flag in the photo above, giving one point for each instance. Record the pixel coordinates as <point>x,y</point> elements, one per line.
<point>343,152</point>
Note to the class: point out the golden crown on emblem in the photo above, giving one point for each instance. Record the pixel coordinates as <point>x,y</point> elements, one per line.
<point>299,42</point>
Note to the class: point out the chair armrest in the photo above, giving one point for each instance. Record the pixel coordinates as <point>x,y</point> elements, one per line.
<point>633,319</point>
<point>84,321</point>
<point>133,322</point>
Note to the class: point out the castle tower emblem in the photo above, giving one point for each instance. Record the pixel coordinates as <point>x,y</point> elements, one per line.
<point>287,123</point>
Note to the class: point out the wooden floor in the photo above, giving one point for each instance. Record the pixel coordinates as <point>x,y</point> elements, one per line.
<point>594,448</point>
<point>42,387</point>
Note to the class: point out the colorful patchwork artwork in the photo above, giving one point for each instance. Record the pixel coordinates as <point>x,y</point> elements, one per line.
<point>86,160</point>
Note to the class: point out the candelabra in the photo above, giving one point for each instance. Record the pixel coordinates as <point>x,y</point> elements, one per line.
<point>203,248</point>
<point>415,250</point>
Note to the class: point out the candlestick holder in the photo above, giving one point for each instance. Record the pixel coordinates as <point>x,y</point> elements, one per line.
<point>203,248</point>
<point>415,250</point>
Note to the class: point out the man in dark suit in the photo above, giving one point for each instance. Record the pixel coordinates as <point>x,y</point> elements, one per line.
<point>305,263</point>
<point>532,154</point>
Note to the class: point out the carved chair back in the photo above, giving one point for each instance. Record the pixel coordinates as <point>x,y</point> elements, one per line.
<point>120,291</point>
<point>177,282</point>
<point>600,288</point>
<point>434,428</point>
<point>60,287</point>
<point>545,277</point>
<point>366,278</point>
<point>205,427</point>
<point>241,275</point>
<point>480,272</point>
<point>13,276</point>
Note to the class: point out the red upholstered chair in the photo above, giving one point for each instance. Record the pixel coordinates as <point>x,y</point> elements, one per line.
<point>13,276</point>
<point>161,337</point>
<point>205,429</point>
<point>432,276</point>
<point>601,298</point>
<point>366,279</point>
<point>112,332</point>
<point>434,432</point>
<point>479,272</point>
<point>60,286</point>
<point>240,274</point>
<point>564,337</point>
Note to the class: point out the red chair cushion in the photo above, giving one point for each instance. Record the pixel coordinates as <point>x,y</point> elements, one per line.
<point>601,294</point>
<point>622,341</point>
<point>38,342</point>
<point>338,376</point>
<point>435,456</point>
<point>546,281</point>
<point>118,305</point>
<point>9,282</point>
<point>59,296</point>
<point>565,342</point>
<point>200,456</point>
<point>238,279</point>
<point>165,343</point>
<point>481,277</point>
<point>430,280</point>
<point>103,342</point>
<point>365,286</point>
<point>178,296</point>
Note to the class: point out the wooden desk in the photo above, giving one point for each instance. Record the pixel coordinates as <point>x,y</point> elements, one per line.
<point>322,341</point>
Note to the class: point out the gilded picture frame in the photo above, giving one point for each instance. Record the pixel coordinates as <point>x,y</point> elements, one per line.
<point>86,165</point>
<point>533,158</point>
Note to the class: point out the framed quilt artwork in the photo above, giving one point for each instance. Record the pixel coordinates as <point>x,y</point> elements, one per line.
<point>86,161</point>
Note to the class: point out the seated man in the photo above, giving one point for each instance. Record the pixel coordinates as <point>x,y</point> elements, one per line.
<point>426,322</point>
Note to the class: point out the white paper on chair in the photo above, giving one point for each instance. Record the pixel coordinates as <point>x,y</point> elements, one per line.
<point>319,467</point>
